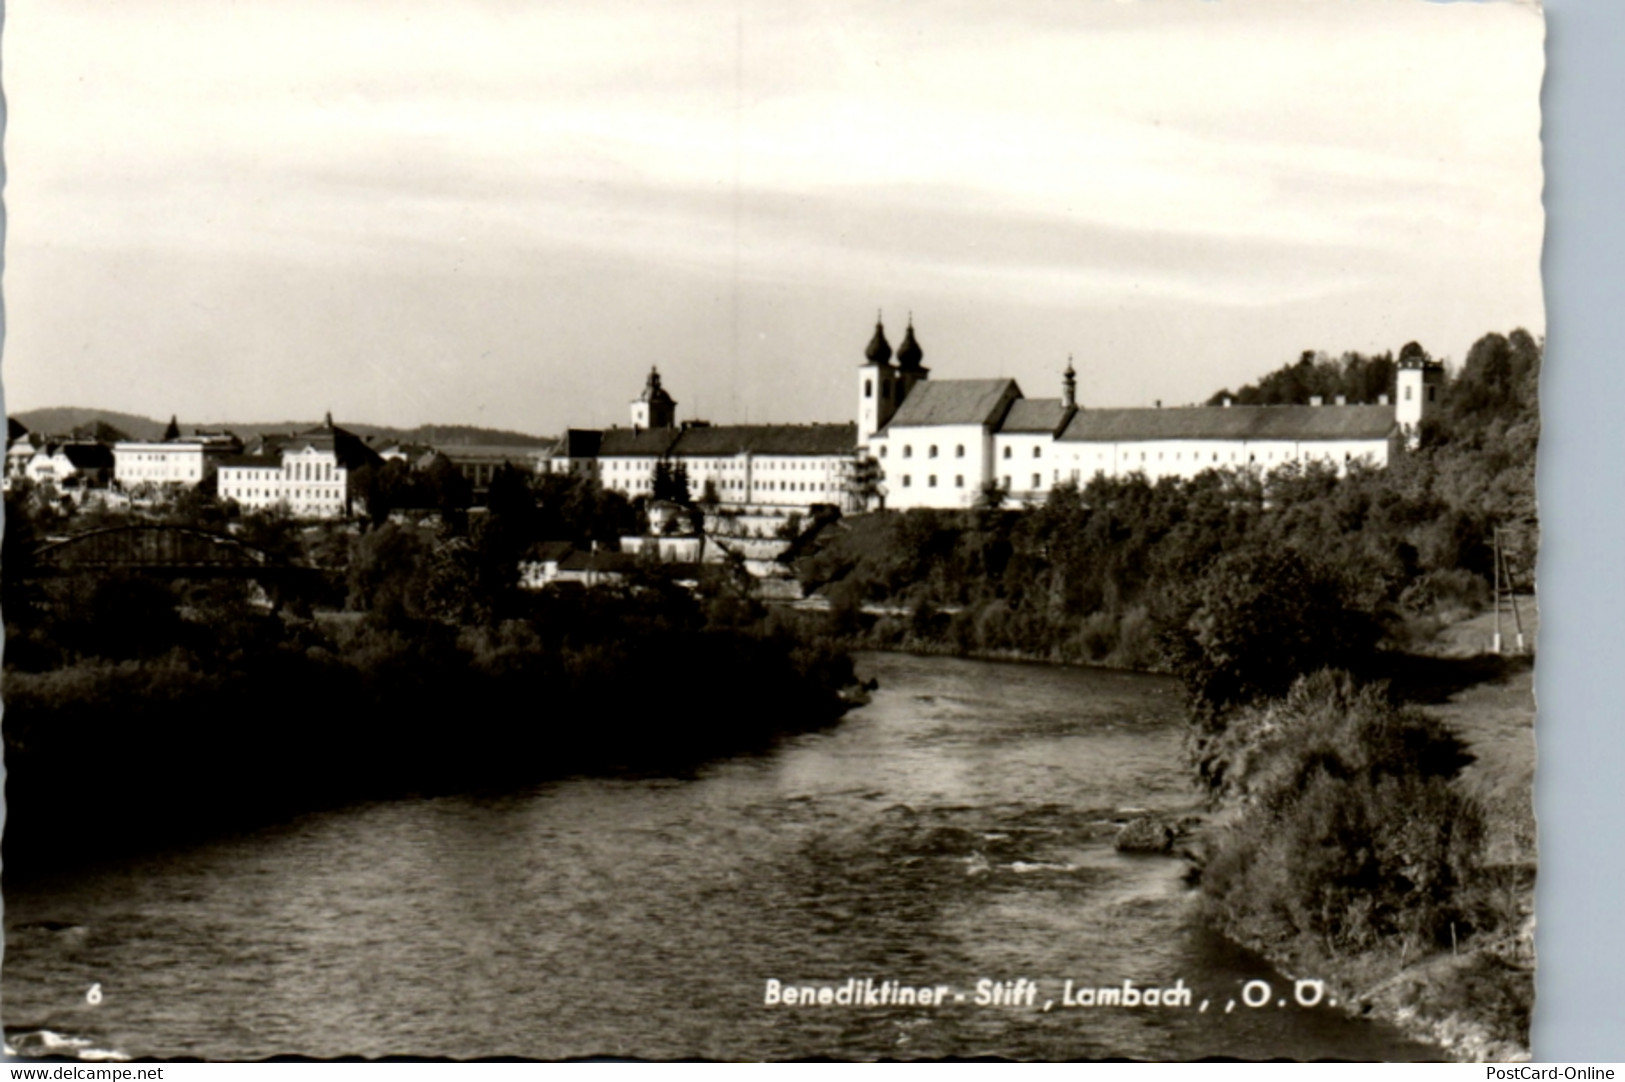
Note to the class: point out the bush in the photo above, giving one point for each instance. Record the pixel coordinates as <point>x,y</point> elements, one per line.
<point>1347,833</point>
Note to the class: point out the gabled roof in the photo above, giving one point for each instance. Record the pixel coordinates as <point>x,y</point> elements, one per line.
<point>582,442</point>
<point>89,456</point>
<point>1232,423</point>
<point>724,440</point>
<point>638,442</point>
<point>954,402</point>
<point>1035,415</point>
<point>351,450</point>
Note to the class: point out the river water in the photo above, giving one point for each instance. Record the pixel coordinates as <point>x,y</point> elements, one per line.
<point>958,828</point>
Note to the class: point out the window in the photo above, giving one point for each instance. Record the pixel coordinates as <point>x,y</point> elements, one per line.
<point>959,480</point>
<point>1007,452</point>
<point>933,450</point>
<point>1037,480</point>
<point>1007,476</point>
<point>1037,451</point>
<point>908,450</point>
<point>1407,394</point>
<point>868,388</point>
<point>906,480</point>
<point>959,452</point>
<point>1432,393</point>
<point>883,450</point>
<point>931,481</point>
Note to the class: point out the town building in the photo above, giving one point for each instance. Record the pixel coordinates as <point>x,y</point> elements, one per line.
<point>740,466</point>
<point>85,461</point>
<point>176,461</point>
<point>308,474</point>
<point>479,463</point>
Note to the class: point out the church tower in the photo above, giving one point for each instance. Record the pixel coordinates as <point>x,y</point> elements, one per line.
<point>1069,386</point>
<point>909,369</point>
<point>1416,392</point>
<point>654,408</point>
<point>878,389</point>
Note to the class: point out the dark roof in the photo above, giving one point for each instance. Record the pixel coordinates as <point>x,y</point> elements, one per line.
<point>641,442</point>
<point>954,402</point>
<point>351,450</point>
<point>909,353</point>
<point>653,392</point>
<point>879,350</point>
<point>1232,423</point>
<point>495,452</point>
<point>543,551</point>
<point>1035,415</point>
<point>14,429</point>
<point>582,442</point>
<point>721,440</point>
<point>89,456</point>
<point>258,462</point>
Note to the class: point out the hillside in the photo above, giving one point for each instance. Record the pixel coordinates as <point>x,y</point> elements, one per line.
<point>63,420</point>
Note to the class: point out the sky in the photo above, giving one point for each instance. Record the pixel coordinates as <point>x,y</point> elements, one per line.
<point>503,212</point>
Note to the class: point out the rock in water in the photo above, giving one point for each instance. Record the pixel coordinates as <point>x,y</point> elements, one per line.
<point>1147,834</point>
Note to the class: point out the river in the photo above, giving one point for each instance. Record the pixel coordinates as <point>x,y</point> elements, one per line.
<point>958,828</point>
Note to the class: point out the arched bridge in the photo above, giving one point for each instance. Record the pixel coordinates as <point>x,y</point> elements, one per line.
<point>173,551</point>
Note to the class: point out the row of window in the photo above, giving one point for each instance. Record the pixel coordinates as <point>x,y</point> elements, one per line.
<point>310,471</point>
<point>959,451</point>
<point>758,486</point>
<point>278,494</point>
<point>694,465</point>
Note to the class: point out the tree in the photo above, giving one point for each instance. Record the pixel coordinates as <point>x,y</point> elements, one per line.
<point>670,482</point>
<point>1263,617</point>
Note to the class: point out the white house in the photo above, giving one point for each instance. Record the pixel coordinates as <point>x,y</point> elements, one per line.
<point>307,474</point>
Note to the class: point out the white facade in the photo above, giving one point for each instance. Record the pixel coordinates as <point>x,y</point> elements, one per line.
<point>947,439</point>
<point>308,482</point>
<point>743,479</point>
<point>1025,464</point>
<point>1077,462</point>
<point>935,466</point>
<point>137,463</point>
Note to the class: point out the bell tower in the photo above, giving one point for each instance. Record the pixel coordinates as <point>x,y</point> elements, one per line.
<point>909,369</point>
<point>654,408</point>
<point>1417,383</point>
<point>878,387</point>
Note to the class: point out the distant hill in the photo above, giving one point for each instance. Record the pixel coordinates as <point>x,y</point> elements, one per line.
<point>63,420</point>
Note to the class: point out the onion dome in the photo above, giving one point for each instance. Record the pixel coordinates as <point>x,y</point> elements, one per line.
<point>909,354</point>
<point>879,351</point>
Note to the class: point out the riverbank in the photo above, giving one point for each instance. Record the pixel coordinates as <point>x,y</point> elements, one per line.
<point>111,756</point>
<point>1471,996</point>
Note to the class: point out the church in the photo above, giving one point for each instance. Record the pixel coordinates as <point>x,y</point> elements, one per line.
<point>941,443</point>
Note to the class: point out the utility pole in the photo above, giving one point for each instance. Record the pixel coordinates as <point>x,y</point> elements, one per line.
<point>1502,577</point>
<point>1495,586</point>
